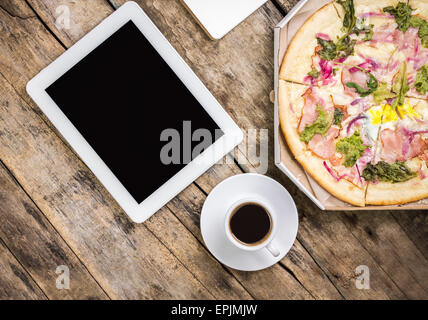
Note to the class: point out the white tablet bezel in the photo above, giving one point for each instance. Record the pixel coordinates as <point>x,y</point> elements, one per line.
<point>37,86</point>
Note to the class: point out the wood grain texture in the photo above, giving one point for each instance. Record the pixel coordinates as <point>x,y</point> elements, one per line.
<point>91,13</point>
<point>286,5</point>
<point>37,245</point>
<point>389,245</point>
<point>174,235</point>
<point>416,227</point>
<point>15,282</point>
<point>309,274</point>
<point>21,34</point>
<point>318,232</point>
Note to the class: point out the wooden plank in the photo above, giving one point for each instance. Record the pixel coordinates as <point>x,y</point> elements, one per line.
<point>312,277</point>
<point>38,247</point>
<point>21,33</point>
<point>395,252</point>
<point>415,225</point>
<point>339,253</point>
<point>15,282</point>
<point>174,235</point>
<point>128,261</point>
<point>69,32</point>
<point>286,5</point>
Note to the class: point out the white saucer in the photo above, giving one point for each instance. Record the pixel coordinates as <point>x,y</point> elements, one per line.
<point>228,192</point>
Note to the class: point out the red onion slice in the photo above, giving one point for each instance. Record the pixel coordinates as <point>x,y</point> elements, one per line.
<point>359,174</point>
<point>323,36</point>
<point>375,14</point>
<point>332,173</point>
<point>353,122</point>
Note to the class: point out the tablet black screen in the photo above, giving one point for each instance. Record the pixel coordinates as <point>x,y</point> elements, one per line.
<point>121,97</point>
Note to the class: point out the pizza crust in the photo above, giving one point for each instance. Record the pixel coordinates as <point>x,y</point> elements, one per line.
<point>399,193</point>
<point>298,58</point>
<point>343,189</point>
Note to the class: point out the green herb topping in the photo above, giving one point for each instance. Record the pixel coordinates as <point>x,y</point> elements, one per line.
<point>314,73</point>
<point>369,32</point>
<point>352,148</point>
<point>349,21</point>
<point>338,116</point>
<point>353,25</point>
<point>400,86</point>
<point>421,82</point>
<point>386,172</point>
<point>329,49</point>
<point>372,85</point>
<point>321,125</point>
<point>422,24</point>
<point>344,45</point>
<point>382,93</point>
<point>402,14</point>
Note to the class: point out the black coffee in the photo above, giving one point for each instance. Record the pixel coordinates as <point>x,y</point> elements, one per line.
<point>250,223</point>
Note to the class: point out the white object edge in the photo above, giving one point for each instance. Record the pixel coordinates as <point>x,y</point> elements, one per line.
<point>219,17</point>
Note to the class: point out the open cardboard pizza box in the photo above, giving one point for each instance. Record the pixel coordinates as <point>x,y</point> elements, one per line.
<point>284,159</point>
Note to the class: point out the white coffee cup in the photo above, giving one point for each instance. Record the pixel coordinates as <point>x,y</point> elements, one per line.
<point>268,242</point>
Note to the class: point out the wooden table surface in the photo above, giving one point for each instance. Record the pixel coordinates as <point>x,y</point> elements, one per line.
<point>53,211</point>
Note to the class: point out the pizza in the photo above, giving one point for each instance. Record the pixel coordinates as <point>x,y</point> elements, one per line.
<point>353,100</point>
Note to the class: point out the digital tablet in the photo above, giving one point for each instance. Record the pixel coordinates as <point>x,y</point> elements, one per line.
<point>134,112</point>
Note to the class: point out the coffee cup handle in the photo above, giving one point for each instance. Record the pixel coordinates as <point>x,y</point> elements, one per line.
<point>273,249</point>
